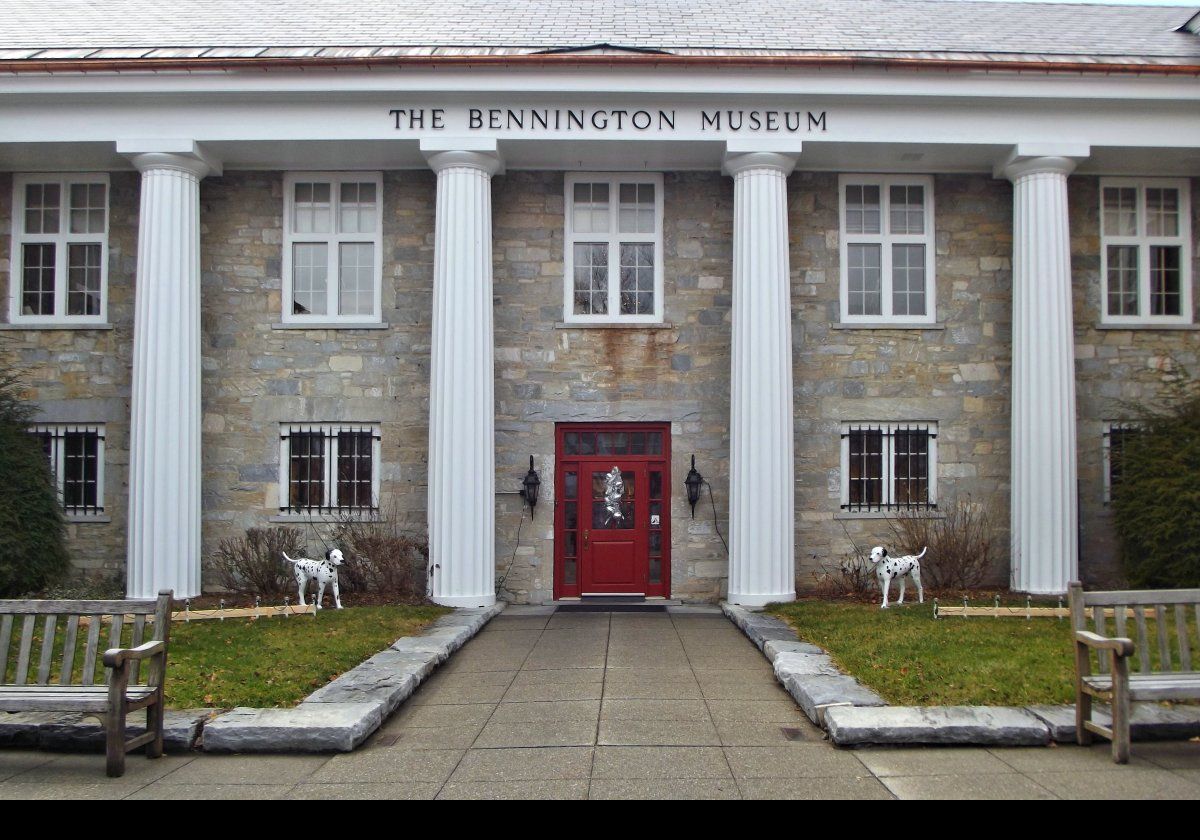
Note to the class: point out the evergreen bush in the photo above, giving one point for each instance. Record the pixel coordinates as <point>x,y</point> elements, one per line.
<point>1156,503</point>
<point>33,551</point>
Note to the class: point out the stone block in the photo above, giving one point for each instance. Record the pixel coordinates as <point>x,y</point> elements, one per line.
<point>974,725</point>
<point>310,727</point>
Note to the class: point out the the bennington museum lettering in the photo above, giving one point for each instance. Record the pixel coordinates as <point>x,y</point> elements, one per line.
<point>609,119</point>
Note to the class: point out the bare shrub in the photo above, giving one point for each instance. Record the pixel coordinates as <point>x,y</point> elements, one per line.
<point>383,559</point>
<point>849,577</point>
<point>253,565</point>
<point>961,542</point>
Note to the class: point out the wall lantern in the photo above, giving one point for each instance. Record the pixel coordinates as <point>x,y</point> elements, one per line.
<point>530,486</point>
<point>694,482</point>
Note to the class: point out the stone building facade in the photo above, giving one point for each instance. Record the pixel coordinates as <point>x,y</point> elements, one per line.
<point>258,375</point>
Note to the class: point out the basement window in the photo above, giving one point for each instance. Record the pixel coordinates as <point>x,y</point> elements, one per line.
<point>889,466</point>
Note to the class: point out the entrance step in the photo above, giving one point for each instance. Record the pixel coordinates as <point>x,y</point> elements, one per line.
<point>613,604</point>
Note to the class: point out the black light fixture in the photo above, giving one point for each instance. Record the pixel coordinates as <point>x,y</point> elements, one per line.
<point>694,482</point>
<point>530,486</point>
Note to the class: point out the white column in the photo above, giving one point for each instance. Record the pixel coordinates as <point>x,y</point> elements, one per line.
<point>762,564</point>
<point>1044,490</point>
<point>164,446</point>
<point>462,513</point>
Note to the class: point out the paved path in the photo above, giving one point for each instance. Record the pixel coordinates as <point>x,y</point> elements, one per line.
<point>612,705</point>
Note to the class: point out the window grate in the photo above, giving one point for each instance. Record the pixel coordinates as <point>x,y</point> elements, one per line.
<point>76,457</point>
<point>1116,436</point>
<point>329,468</point>
<point>888,466</point>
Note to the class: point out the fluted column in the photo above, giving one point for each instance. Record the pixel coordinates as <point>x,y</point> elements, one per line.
<point>164,450</point>
<point>1044,494</point>
<point>462,514</point>
<point>762,565</point>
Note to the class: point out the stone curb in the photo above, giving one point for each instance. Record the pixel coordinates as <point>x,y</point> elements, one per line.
<point>73,732</point>
<point>853,715</point>
<point>341,715</point>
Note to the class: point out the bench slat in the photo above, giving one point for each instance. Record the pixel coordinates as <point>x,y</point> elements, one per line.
<point>1165,662</point>
<point>1146,597</point>
<point>6,624</point>
<point>1101,629</point>
<point>37,699</point>
<point>23,652</point>
<point>1143,639</point>
<point>139,628</point>
<point>114,639</point>
<point>77,607</point>
<point>49,628</point>
<point>1180,686</point>
<point>89,654</point>
<point>68,660</point>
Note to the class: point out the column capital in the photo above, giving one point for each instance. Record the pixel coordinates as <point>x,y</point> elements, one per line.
<point>183,155</point>
<point>772,153</point>
<point>1037,158</point>
<point>473,152</point>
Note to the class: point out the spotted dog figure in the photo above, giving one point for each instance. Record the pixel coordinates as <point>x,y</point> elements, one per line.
<point>887,568</point>
<point>322,571</point>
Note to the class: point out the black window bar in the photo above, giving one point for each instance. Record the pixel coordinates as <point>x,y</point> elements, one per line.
<point>888,466</point>
<point>331,468</point>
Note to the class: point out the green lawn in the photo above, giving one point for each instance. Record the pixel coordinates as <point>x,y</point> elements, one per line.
<point>278,661</point>
<point>911,659</point>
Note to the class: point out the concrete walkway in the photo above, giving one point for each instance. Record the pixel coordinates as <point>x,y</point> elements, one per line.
<point>602,705</point>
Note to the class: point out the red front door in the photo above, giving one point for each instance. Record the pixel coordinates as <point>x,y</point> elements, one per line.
<point>612,533</point>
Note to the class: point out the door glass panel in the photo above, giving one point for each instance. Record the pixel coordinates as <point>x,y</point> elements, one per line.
<point>654,443</point>
<point>569,571</point>
<point>656,542</point>
<point>655,484</point>
<point>569,544</point>
<point>655,570</point>
<point>613,512</point>
<point>612,443</point>
<point>571,515</point>
<point>572,485</point>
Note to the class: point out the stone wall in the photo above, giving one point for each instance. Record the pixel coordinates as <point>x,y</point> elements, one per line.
<point>257,376</point>
<point>82,376</point>
<point>957,374</point>
<point>1116,370</point>
<point>547,374</point>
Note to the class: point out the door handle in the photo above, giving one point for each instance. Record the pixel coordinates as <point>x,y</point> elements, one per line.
<point>586,534</point>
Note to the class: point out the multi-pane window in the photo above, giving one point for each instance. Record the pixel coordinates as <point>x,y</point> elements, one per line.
<point>76,457</point>
<point>328,468</point>
<point>613,248</point>
<point>333,247</point>
<point>1116,435</point>
<point>889,466</point>
<point>887,249</point>
<point>60,249</point>
<point>1145,230</point>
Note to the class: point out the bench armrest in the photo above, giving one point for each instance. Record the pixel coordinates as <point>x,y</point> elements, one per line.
<point>116,657</point>
<point>1119,646</point>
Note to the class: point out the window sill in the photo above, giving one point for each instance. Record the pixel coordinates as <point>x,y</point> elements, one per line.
<point>331,518</point>
<point>886,514</point>
<point>329,325</point>
<point>886,326</point>
<point>53,325</point>
<point>615,325</point>
<point>87,518</point>
<point>1182,327</point>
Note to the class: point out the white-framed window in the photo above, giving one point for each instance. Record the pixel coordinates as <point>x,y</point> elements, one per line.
<point>60,249</point>
<point>1116,434</point>
<point>1145,251</point>
<point>76,456</point>
<point>328,468</point>
<point>887,249</point>
<point>613,248</point>
<point>889,466</point>
<point>333,247</point>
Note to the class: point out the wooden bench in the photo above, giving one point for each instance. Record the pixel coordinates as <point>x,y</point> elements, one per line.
<point>59,686</point>
<point>1165,670</point>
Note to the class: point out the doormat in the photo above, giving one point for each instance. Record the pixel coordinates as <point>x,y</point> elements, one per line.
<point>592,608</point>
